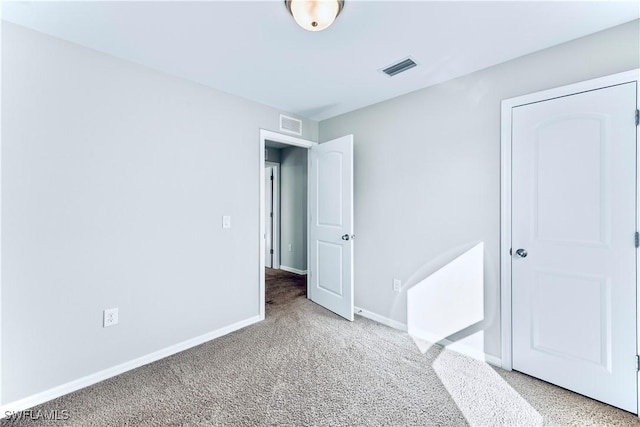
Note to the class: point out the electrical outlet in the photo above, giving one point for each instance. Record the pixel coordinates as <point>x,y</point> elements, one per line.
<point>110,317</point>
<point>290,247</point>
<point>397,285</point>
<point>226,221</point>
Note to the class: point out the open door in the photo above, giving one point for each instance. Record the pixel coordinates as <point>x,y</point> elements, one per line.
<point>268,214</point>
<point>331,225</point>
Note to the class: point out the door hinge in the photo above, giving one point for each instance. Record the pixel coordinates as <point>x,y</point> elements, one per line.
<point>271,251</point>
<point>637,117</point>
<point>271,177</point>
<point>271,214</point>
<point>637,363</point>
<point>637,240</point>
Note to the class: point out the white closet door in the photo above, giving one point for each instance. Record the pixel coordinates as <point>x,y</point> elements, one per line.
<point>574,256</point>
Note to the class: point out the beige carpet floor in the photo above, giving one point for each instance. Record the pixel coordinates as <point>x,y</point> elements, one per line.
<point>306,366</point>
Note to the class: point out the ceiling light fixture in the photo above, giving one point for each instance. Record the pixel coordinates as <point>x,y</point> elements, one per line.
<point>314,15</point>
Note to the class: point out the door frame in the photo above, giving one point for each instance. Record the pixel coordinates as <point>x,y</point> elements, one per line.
<point>505,193</point>
<point>283,139</point>
<point>275,231</point>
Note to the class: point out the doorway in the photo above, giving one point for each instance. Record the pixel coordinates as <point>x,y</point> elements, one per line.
<point>569,256</point>
<point>329,217</point>
<point>272,206</point>
<point>286,208</point>
<point>274,149</point>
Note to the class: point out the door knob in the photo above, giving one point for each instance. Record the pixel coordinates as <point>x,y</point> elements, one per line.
<point>345,237</point>
<point>522,253</point>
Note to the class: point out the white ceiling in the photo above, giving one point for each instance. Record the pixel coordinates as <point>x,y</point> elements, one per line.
<point>255,49</point>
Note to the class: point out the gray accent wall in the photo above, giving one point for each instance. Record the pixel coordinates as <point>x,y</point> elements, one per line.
<point>293,207</point>
<point>427,167</point>
<point>113,194</point>
<point>272,155</point>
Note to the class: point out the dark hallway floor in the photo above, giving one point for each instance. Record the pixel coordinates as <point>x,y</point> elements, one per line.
<point>282,287</point>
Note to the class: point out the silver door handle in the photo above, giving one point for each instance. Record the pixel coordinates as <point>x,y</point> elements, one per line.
<point>522,253</point>
<point>347,237</point>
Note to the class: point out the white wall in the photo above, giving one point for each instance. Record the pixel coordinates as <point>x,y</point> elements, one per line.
<point>293,207</point>
<point>113,194</point>
<point>427,167</point>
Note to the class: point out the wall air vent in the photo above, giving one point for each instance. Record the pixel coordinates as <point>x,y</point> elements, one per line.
<point>399,67</point>
<point>290,125</point>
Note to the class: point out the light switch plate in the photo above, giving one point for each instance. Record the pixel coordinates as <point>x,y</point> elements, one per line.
<point>397,285</point>
<point>226,221</point>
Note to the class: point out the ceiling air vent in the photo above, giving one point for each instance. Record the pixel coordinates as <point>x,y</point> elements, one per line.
<point>399,67</point>
<point>290,125</point>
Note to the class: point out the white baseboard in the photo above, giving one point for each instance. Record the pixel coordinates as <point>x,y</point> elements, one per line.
<point>472,352</point>
<point>292,270</point>
<point>459,348</point>
<point>380,319</point>
<point>45,396</point>
<point>493,360</point>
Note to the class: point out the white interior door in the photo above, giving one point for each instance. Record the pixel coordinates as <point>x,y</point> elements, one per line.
<point>574,213</point>
<point>331,225</point>
<point>268,215</point>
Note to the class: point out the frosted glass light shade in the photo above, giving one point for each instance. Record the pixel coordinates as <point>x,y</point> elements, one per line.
<point>314,15</point>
